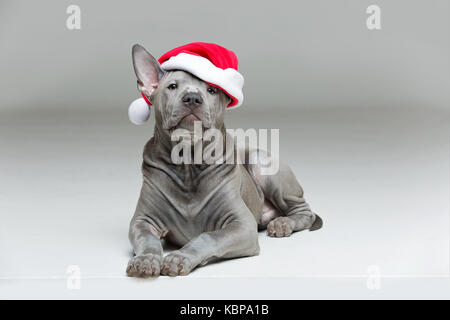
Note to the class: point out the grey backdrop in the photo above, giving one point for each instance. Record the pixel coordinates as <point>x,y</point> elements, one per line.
<point>363,118</point>
<point>293,54</point>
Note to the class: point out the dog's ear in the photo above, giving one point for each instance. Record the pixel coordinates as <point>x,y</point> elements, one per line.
<point>147,69</point>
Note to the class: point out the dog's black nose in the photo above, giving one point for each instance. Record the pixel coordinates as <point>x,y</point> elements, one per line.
<point>192,100</point>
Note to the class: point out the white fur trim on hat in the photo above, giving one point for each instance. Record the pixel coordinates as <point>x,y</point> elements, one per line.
<point>228,79</point>
<point>139,111</point>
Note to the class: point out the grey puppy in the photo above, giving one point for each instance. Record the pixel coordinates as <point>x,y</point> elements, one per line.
<point>211,212</point>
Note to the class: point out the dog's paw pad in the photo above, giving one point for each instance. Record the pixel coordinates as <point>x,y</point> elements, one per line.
<point>144,266</point>
<point>176,264</point>
<point>281,227</point>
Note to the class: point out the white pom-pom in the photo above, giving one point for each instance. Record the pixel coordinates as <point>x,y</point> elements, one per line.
<point>139,111</point>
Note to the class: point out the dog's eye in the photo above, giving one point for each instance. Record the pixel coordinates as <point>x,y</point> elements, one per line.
<point>172,86</point>
<point>212,90</point>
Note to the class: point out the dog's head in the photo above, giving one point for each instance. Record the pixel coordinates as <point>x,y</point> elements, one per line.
<point>178,97</point>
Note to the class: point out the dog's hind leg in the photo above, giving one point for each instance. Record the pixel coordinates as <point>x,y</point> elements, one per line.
<point>285,195</point>
<point>268,214</point>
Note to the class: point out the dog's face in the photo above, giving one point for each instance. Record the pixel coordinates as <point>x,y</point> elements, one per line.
<point>178,98</point>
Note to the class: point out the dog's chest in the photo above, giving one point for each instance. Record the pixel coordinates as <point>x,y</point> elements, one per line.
<point>192,201</point>
<point>192,215</point>
<point>196,203</point>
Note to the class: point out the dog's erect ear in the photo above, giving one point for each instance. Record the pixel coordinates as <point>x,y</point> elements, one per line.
<point>147,69</point>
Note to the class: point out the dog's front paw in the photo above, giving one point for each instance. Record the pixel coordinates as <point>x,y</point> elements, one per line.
<point>281,227</point>
<point>177,264</point>
<point>144,266</point>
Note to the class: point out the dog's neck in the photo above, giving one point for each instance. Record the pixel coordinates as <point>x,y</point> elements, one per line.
<point>163,137</point>
<point>163,140</point>
<point>158,154</point>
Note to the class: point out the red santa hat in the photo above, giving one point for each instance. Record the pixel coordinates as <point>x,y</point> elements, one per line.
<point>210,62</point>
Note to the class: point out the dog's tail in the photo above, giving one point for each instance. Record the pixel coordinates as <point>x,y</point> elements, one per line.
<point>318,223</point>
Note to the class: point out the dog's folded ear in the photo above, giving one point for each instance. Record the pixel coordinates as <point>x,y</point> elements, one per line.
<point>147,69</point>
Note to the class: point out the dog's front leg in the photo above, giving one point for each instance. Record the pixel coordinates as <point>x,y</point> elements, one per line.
<point>147,248</point>
<point>238,238</point>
